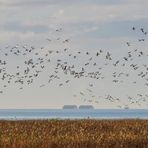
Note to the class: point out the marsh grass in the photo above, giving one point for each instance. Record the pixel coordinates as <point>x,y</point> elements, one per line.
<point>74,133</point>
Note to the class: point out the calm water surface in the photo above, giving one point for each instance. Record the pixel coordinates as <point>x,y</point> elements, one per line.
<point>14,114</point>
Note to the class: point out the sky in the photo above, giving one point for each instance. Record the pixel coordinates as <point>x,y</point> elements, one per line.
<point>90,25</point>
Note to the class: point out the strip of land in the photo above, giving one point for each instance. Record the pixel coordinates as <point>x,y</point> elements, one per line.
<point>74,133</point>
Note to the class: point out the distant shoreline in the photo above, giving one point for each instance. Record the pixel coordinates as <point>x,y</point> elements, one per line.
<point>76,119</point>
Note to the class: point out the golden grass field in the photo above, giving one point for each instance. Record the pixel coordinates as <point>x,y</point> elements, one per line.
<point>74,134</point>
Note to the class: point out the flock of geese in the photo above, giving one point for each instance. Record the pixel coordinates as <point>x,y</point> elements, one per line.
<point>65,65</point>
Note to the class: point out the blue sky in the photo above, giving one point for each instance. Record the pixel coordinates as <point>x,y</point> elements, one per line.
<point>90,25</point>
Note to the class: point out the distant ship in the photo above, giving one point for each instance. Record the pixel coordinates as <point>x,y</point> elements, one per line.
<point>70,107</point>
<point>86,107</point>
<point>126,107</point>
<point>80,107</point>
